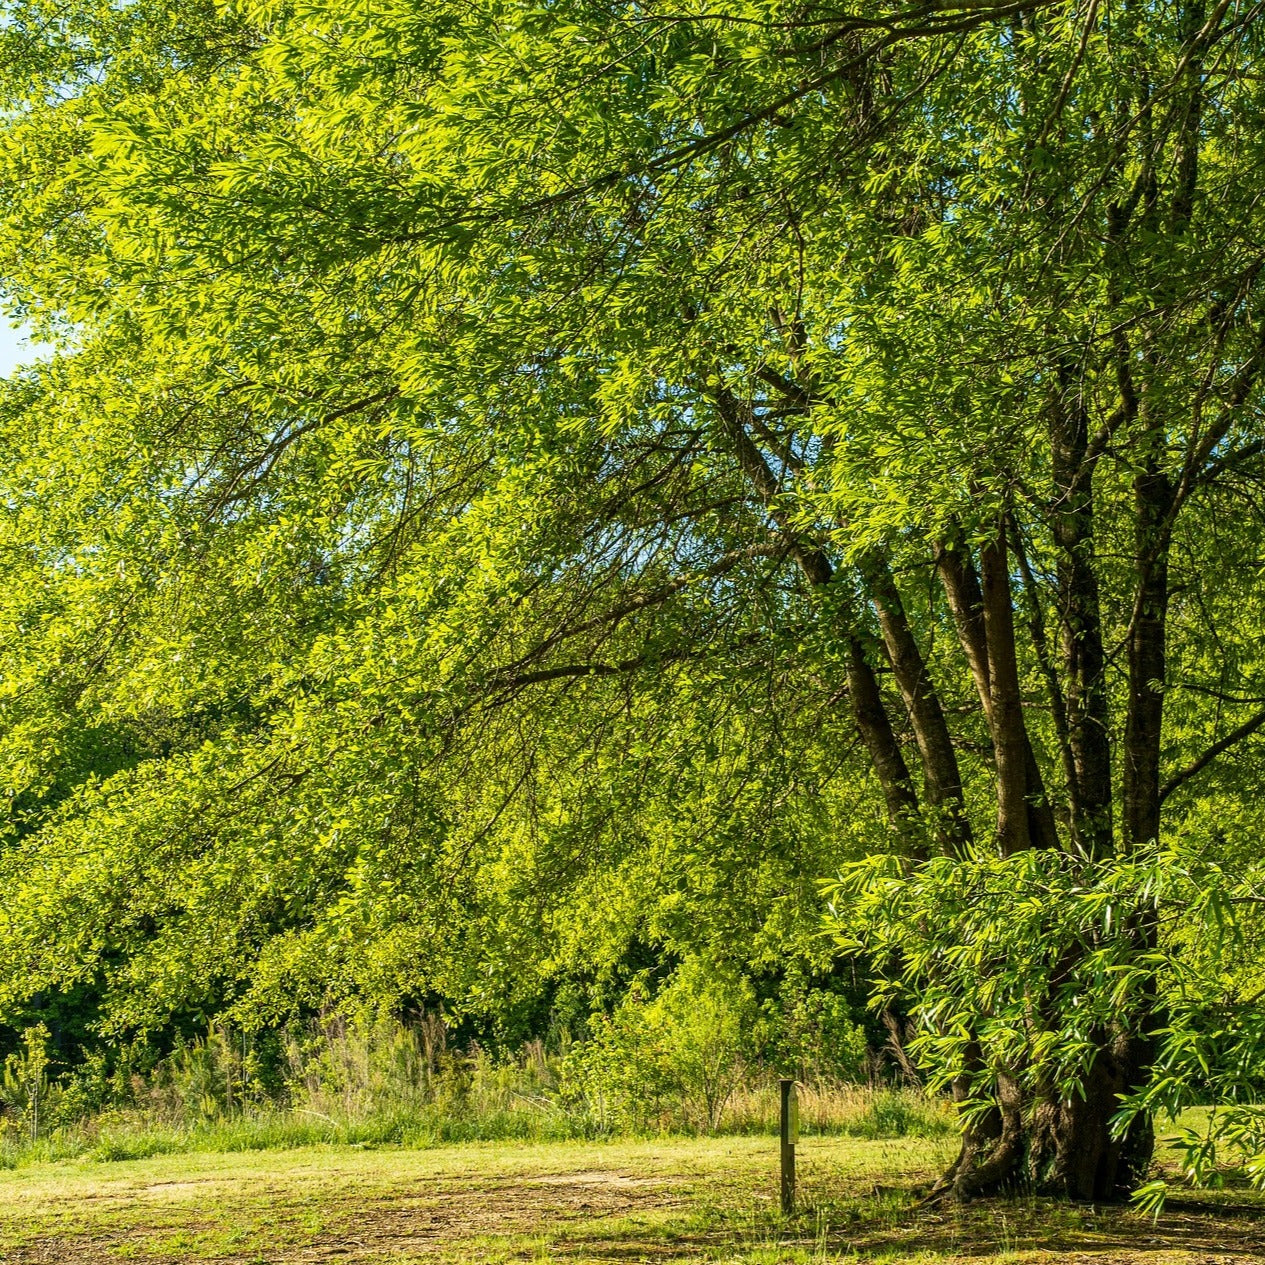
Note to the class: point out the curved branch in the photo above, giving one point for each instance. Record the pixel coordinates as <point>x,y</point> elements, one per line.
<point>1246,729</point>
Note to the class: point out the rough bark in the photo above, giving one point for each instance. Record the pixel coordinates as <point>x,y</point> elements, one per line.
<point>1005,704</point>
<point>961,585</point>
<point>1062,1147</point>
<point>989,1158</point>
<point>1072,1153</point>
<point>1143,728</point>
<point>966,604</point>
<point>922,703</point>
<point>1080,620</point>
<point>881,743</point>
<point>993,1147</point>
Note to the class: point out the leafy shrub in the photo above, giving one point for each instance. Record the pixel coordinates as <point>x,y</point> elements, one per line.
<point>671,1060</point>
<point>29,1098</point>
<point>819,1040</point>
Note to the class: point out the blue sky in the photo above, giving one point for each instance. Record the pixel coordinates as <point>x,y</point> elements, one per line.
<point>14,349</point>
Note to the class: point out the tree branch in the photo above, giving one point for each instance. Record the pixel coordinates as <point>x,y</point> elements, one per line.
<point>1247,728</point>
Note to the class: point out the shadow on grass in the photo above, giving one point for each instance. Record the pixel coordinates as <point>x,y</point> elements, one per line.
<point>894,1227</point>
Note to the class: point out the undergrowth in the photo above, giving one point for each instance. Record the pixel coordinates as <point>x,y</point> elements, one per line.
<point>387,1083</point>
<point>132,1134</point>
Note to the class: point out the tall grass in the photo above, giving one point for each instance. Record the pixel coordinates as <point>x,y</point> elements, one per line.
<point>387,1083</point>
<point>829,1108</point>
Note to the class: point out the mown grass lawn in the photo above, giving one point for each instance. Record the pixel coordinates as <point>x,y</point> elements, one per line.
<point>664,1201</point>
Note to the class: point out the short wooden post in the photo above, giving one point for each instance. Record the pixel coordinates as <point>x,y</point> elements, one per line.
<point>790,1135</point>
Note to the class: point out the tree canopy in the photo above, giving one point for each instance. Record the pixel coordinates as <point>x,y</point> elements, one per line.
<point>528,483</point>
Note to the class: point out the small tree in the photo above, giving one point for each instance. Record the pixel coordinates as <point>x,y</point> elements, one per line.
<point>25,1086</point>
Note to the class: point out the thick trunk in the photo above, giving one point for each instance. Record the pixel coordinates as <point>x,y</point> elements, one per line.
<point>993,1145</point>
<point>1144,726</point>
<point>1010,738</point>
<point>1080,618</point>
<point>966,604</point>
<point>1055,1146</point>
<point>1072,1153</point>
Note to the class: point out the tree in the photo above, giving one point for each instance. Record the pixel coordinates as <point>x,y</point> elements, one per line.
<point>484,431</point>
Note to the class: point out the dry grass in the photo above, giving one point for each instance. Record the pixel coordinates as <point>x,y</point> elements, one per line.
<point>827,1109</point>
<point>498,1112</point>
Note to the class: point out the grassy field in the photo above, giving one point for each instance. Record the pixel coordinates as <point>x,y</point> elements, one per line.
<point>668,1201</point>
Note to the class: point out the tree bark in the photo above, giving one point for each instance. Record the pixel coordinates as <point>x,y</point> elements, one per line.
<point>1080,619</point>
<point>881,743</point>
<point>1153,499</point>
<point>922,703</point>
<point>966,604</point>
<point>1072,1153</point>
<point>1061,1147</point>
<point>1005,705</point>
<point>961,586</point>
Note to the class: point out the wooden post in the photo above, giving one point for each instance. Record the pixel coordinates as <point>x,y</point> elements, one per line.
<point>790,1135</point>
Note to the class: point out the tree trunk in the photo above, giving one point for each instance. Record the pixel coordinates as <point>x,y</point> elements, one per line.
<point>1010,738</point>
<point>966,603</point>
<point>875,728</point>
<point>1053,1146</point>
<point>922,704</point>
<point>1080,619</point>
<point>1147,657</point>
<point>1072,1153</point>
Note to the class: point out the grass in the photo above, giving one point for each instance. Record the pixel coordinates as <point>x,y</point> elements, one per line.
<point>134,1136</point>
<point>667,1201</point>
<point>137,1134</point>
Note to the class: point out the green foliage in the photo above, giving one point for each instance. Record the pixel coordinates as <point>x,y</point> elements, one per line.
<point>28,1096</point>
<point>818,1038</point>
<point>1034,980</point>
<point>490,450</point>
<point>672,1059</point>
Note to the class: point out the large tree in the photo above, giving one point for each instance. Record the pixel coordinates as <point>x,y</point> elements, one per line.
<point>496,441</point>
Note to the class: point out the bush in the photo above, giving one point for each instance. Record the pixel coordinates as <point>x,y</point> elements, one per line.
<point>29,1099</point>
<point>819,1039</point>
<point>673,1060</point>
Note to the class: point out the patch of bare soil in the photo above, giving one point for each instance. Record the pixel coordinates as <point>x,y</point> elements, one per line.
<point>438,1220</point>
<point>409,1222</point>
<point>418,1222</point>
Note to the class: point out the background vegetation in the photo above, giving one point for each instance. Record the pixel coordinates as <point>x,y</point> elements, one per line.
<point>384,1082</point>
